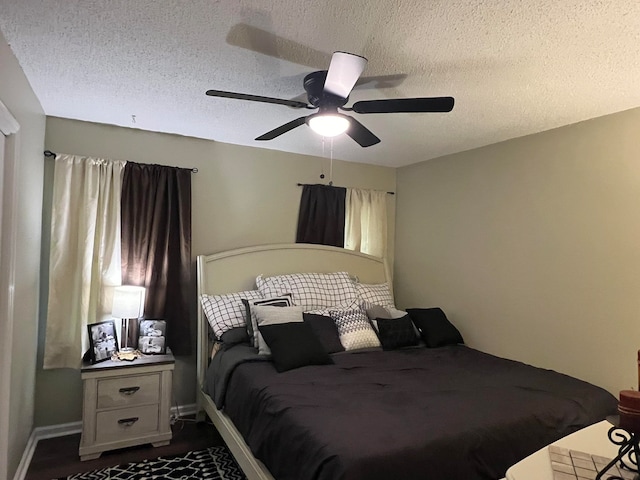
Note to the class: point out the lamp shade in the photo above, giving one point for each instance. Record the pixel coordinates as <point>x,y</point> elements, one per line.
<point>128,302</point>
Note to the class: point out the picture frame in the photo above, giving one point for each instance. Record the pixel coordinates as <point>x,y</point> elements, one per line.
<point>152,336</point>
<point>152,328</point>
<point>103,341</point>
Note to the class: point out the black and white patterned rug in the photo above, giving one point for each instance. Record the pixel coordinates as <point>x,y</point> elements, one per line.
<point>215,463</point>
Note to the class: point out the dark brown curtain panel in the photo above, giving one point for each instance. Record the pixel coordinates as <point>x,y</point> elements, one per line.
<point>321,217</point>
<point>156,245</point>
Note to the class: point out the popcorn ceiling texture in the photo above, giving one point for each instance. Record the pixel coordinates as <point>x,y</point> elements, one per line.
<point>514,67</point>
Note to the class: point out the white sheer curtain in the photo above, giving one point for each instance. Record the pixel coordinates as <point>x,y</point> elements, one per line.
<point>85,253</point>
<point>366,221</point>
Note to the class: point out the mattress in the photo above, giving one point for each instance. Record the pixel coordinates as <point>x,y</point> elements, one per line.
<point>444,413</point>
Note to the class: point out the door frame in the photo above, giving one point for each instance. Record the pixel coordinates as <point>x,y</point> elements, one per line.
<point>9,128</point>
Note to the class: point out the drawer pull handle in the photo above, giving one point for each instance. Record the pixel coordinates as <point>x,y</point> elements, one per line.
<point>127,422</point>
<point>129,390</point>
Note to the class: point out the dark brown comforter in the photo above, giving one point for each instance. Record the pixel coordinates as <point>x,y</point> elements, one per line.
<point>439,414</point>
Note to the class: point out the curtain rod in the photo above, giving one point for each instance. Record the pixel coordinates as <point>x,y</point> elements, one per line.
<point>49,153</point>
<point>304,184</point>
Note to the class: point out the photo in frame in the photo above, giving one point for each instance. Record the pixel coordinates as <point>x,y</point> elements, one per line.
<point>152,336</point>
<point>103,341</point>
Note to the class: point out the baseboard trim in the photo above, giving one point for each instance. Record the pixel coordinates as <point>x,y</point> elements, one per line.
<point>23,466</point>
<point>63,429</point>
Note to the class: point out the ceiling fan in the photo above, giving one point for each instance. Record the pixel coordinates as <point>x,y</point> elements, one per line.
<point>328,91</point>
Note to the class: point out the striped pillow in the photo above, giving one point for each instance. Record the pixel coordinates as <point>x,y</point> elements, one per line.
<point>252,321</point>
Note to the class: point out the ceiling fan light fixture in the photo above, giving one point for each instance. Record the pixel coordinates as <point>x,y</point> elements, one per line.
<point>328,125</point>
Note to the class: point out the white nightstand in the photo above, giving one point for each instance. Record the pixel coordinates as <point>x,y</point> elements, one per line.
<point>125,404</point>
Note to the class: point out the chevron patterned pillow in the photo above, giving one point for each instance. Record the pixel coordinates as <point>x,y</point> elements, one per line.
<point>354,329</point>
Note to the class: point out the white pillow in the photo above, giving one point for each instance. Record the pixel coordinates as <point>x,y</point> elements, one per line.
<point>375,294</point>
<point>354,329</point>
<point>270,315</point>
<point>225,312</point>
<point>311,290</point>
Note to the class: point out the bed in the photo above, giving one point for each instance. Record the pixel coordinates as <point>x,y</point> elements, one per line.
<point>449,412</point>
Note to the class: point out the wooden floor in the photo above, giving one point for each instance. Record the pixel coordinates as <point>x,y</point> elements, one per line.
<point>58,457</point>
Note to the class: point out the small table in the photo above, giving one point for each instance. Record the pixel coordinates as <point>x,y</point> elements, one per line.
<point>592,439</point>
<point>126,404</point>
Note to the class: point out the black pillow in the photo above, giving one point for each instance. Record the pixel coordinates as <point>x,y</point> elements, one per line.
<point>396,332</point>
<point>436,330</point>
<point>293,345</point>
<point>325,329</point>
<point>234,336</point>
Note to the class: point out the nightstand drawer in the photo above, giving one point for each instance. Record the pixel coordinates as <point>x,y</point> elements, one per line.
<point>124,423</point>
<point>128,391</point>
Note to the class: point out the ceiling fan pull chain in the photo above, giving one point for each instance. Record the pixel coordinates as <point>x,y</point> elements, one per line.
<point>331,164</point>
<point>322,163</point>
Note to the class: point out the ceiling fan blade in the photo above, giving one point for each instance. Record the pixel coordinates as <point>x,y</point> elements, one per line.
<point>264,42</point>
<point>344,71</point>
<point>360,133</point>
<point>381,81</point>
<point>405,105</point>
<point>276,132</point>
<point>256,98</point>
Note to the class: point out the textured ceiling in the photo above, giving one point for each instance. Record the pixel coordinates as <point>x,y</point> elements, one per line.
<point>514,67</point>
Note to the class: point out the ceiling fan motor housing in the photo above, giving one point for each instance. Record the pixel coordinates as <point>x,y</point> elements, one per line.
<point>314,86</point>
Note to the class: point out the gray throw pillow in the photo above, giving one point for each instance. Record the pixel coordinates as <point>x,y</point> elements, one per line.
<point>271,315</point>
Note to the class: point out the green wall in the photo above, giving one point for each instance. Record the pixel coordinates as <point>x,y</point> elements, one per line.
<point>18,332</point>
<point>242,196</point>
<point>532,246</point>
